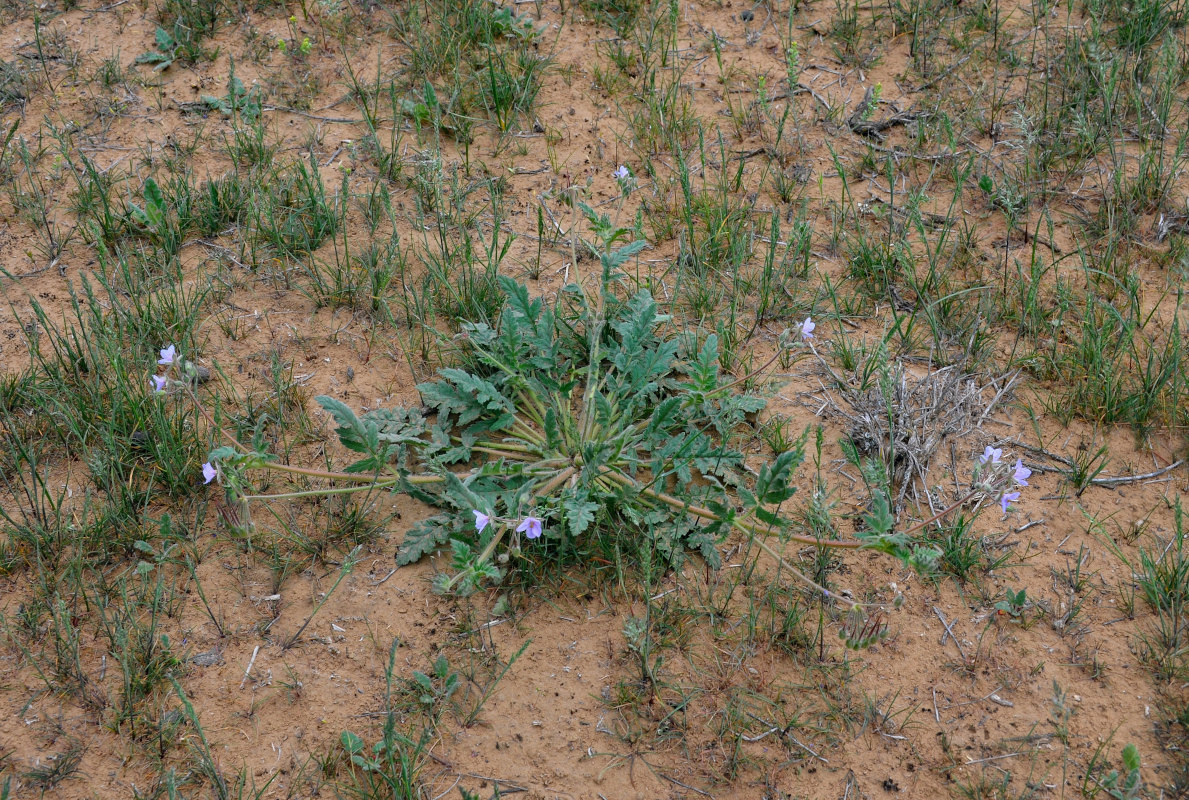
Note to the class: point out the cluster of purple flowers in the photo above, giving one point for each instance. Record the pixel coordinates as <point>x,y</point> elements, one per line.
<point>168,358</point>
<point>1019,476</point>
<point>530,526</point>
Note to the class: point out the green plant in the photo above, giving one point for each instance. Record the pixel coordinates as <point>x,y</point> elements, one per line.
<point>1118,785</point>
<point>964,554</point>
<point>391,766</point>
<point>58,768</point>
<point>437,687</point>
<point>589,424</point>
<point>238,100</point>
<point>1014,603</point>
<point>165,53</point>
<point>344,570</point>
<point>1021,222</point>
<point>477,708</point>
<point>511,86</point>
<point>1163,576</point>
<point>188,23</point>
<point>390,763</point>
<point>154,219</point>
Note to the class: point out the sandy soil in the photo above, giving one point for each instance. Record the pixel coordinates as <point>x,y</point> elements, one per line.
<point>912,716</point>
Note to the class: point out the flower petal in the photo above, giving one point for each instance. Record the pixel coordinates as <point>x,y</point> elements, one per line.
<point>530,527</point>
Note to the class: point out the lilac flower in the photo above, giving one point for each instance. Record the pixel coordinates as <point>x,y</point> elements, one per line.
<point>1020,476</point>
<point>160,383</point>
<point>531,527</point>
<point>1010,497</point>
<point>991,455</point>
<point>481,520</point>
<point>623,173</point>
<point>807,328</point>
<point>208,472</point>
<point>168,355</point>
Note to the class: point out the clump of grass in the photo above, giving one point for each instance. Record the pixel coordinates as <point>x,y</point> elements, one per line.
<point>1159,572</point>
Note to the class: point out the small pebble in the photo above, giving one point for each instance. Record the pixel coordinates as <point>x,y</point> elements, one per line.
<point>207,659</point>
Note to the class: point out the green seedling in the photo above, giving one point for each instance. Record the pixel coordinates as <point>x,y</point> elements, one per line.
<point>165,53</point>
<point>1125,784</point>
<point>238,100</point>
<point>439,686</point>
<point>1014,604</point>
<point>514,26</point>
<point>152,216</point>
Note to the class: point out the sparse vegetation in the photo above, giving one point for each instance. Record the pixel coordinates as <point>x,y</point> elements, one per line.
<point>615,397</point>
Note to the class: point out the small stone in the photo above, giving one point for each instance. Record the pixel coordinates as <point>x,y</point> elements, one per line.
<point>207,659</point>
<point>747,16</point>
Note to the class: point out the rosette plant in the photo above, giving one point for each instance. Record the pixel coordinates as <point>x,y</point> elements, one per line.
<point>569,417</point>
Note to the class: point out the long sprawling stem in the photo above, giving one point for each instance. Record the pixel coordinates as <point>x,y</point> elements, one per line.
<point>705,513</point>
<point>753,534</point>
<point>320,492</point>
<point>350,476</point>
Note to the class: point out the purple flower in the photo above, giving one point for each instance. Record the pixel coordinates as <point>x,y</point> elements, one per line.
<point>623,173</point>
<point>991,454</point>
<point>1010,497</point>
<point>208,472</point>
<point>160,383</point>
<point>1020,476</point>
<point>531,527</point>
<point>481,520</point>
<point>167,356</point>
<point>807,328</point>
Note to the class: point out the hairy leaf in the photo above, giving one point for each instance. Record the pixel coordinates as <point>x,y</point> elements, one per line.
<point>423,538</point>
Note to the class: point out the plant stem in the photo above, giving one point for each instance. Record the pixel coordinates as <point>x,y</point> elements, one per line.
<point>349,476</point>
<point>943,512</point>
<point>319,492</point>
<point>705,513</point>
<point>504,445</point>
<point>799,574</point>
<point>750,375</point>
<point>518,455</point>
<point>485,554</point>
<point>555,481</point>
<point>344,571</point>
<point>526,433</point>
